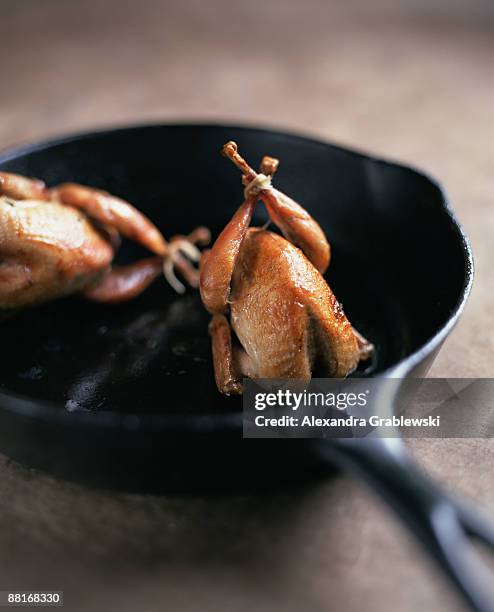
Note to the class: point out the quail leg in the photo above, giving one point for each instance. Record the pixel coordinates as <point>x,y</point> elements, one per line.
<point>231,363</point>
<point>122,283</point>
<point>113,212</point>
<point>293,220</point>
<point>117,214</point>
<point>217,265</point>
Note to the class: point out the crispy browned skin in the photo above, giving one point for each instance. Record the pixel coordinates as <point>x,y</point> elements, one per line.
<point>113,212</point>
<point>47,250</point>
<point>218,264</point>
<point>62,241</point>
<point>22,188</point>
<point>284,313</point>
<point>272,296</point>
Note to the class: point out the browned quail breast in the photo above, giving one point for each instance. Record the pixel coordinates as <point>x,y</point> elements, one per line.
<point>47,250</point>
<point>284,313</point>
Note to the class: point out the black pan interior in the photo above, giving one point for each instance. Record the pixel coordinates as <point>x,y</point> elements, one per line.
<point>398,264</point>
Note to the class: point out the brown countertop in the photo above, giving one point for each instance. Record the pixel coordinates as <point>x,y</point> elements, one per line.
<point>413,83</point>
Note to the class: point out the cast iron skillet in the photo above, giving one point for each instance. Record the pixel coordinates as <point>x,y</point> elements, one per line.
<point>123,396</point>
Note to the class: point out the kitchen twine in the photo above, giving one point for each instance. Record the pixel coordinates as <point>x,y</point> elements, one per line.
<point>258,184</point>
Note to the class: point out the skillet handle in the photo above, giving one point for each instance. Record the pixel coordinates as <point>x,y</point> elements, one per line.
<point>445,526</point>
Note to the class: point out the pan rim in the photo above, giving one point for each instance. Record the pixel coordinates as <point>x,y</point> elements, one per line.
<point>217,422</point>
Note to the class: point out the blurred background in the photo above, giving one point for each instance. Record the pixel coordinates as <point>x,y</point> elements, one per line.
<point>411,80</point>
